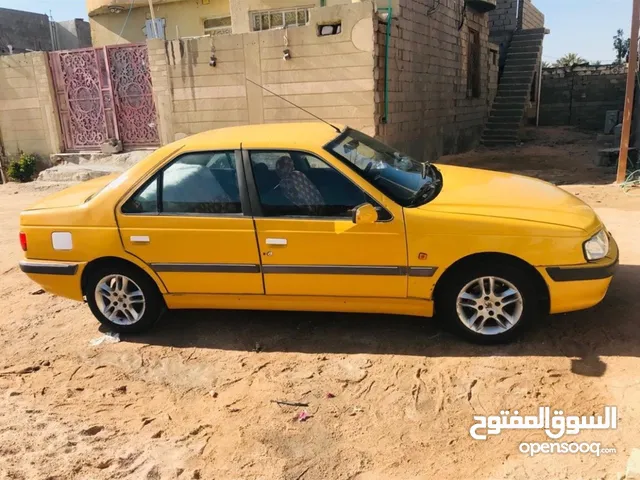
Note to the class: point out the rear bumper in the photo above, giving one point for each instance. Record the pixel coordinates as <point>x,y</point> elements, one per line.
<point>576,287</point>
<point>59,278</point>
<point>49,268</point>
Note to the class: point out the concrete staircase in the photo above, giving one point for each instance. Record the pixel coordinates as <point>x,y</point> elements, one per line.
<point>514,88</point>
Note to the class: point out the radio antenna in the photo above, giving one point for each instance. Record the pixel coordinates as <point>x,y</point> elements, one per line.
<point>291,103</point>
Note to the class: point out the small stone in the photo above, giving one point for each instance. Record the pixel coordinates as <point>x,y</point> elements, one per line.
<point>196,475</point>
<point>122,389</point>
<point>158,434</point>
<point>14,394</point>
<point>104,464</point>
<point>40,291</point>
<point>92,430</point>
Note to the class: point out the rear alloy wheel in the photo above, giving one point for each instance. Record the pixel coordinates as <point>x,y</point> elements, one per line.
<point>120,299</point>
<point>124,299</point>
<point>489,304</point>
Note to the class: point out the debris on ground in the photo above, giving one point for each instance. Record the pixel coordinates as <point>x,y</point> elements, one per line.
<point>109,337</point>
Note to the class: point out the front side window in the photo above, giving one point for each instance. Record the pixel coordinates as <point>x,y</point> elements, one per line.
<point>292,183</point>
<point>195,183</point>
<point>400,177</point>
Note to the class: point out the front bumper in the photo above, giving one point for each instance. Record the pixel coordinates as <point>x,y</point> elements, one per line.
<point>59,278</point>
<point>598,270</point>
<point>576,287</point>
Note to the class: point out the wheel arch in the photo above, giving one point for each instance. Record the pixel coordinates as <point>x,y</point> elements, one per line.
<point>109,261</point>
<point>484,257</point>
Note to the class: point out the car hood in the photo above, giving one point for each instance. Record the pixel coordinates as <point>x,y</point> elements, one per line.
<point>75,195</point>
<point>473,191</point>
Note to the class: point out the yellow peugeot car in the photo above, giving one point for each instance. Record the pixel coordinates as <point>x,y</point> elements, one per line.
<point>316,217</point>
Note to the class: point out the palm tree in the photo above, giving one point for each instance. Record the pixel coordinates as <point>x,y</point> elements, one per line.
<point>570,60</point>
<point>546,65</point>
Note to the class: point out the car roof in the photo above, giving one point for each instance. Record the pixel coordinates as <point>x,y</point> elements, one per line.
<point>272,135</point>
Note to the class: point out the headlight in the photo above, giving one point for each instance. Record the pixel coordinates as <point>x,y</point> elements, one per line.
<point>597,246</point>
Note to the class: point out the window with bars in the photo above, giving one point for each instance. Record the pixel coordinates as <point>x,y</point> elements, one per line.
<point>267,20</point>
<point>217,26</point>
<point>473,64</point>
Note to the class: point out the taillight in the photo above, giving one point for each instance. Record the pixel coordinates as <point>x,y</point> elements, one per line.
<point>23,241</point>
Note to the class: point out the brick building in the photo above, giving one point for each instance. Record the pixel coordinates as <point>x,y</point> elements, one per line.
<point>22,31</point>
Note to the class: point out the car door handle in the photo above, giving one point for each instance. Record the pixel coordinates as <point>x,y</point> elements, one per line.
<point>276,241</point>
<point>139,239</point>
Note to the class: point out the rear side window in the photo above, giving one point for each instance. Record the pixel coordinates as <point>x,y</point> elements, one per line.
<point>195,183</point>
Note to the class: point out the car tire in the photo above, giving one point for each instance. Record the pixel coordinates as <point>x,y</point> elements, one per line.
<point>124,299</point>
<point>504,299</point>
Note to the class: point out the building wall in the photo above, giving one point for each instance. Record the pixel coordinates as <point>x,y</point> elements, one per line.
<point>504,16</point>
<point>241,9</point>
<point>582,96</point>
<point>430,113</point>
<point>24,31</point>
<point>331,76</point>
<point>529,16</point>
<point>72,34</point>
<point>28,116</point>
<point>187,15</point>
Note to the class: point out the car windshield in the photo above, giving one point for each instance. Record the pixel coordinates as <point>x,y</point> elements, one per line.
<point>405,180</point>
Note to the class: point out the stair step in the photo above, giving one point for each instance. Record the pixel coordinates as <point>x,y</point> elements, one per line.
<point>522,56</point>
<point>527,34</point>
<point>526,42</point>
<point>502,132</point>
<point>492,134</point>
<point>498,125</point>
<point>502,136</point>
<point>506,110</point>
<point>516,79</point>
<point>514,87</point>
<point>524,31</point>
<point>505,119</point>
<point>498,143</point>
<point>512,94</point>
<point>523,49</point>
<point>520,62</point>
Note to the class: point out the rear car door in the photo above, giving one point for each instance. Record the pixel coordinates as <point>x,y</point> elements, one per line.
<point>187,223</point>
<point>308,241</point>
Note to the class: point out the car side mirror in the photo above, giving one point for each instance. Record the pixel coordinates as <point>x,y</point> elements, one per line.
<point>365,213</point>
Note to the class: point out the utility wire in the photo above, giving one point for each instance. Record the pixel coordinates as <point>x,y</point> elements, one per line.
<point>126,20</point>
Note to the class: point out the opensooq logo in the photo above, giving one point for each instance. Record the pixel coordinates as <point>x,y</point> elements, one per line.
<point>555,426</point>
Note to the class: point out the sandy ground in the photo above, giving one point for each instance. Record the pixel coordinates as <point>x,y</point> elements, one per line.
<point>194,398</point>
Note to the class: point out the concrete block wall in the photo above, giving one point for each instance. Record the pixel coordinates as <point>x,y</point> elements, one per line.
<point>582,96</point>
<point>24,31</point>
<point>430,113</point>
<point>331,76</point>
<point>28,114</point>
<point>529,16</point>
<point>504,16</point>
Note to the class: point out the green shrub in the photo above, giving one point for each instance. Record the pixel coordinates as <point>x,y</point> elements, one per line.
<point>23,169</point>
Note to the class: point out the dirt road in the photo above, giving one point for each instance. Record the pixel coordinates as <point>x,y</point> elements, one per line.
<point>194,398</point>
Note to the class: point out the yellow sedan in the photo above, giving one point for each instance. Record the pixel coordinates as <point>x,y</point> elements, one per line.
<point>312,217</point>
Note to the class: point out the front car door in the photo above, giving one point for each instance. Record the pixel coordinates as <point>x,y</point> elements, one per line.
<point>308,242</point>
<point>187,223</point>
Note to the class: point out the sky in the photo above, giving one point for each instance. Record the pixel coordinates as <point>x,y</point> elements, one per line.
<point>585,27</point>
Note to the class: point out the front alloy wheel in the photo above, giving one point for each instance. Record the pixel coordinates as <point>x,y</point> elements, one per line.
<point>489,303</point>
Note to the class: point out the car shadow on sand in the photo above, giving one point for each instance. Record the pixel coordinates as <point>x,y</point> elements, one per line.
<point>609,329</point>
